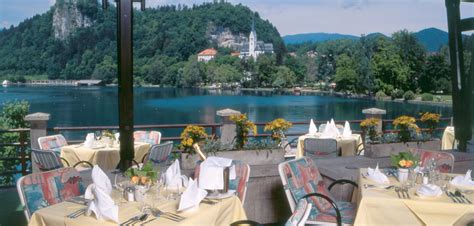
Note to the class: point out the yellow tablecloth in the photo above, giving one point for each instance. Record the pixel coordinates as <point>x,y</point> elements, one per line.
<point>222,214</point>
<point>447,142</point>
<point>106,157</point>
<point>383,207</point>
<point>347,144</point>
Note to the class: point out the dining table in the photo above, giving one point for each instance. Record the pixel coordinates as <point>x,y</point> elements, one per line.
<point>104,154</point>
<point>347,144</point>
<point>212,212</point>
<point>387,205</point>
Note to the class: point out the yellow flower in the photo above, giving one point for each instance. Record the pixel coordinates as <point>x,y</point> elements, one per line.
<point>402,163</point>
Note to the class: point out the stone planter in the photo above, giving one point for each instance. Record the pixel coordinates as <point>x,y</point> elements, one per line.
<point>252,157</point>
<point>387,149</point>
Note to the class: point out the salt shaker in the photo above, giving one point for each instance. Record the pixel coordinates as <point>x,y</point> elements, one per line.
<point>419,178</point>
<point>129,194</point>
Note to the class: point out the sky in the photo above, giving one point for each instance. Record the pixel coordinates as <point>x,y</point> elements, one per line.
<point>353,17</point>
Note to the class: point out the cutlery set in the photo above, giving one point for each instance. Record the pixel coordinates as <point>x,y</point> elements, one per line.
<point>154,212</point>
<point>403,191</point>
<point>77,213</point>
<point>458,197</point>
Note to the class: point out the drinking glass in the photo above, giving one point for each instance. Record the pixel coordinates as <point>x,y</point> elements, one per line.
<point>97,135</point>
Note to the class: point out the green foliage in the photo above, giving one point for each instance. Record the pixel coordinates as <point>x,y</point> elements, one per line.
<point>397,94</point>
<point>283,78</point>
<point>409,95</point>
<point>12,116</point>
<point>346,74</point>
<point>380,95</point>
<point>427,97</point>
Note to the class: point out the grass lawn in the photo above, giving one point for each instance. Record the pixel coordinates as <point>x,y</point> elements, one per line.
<point>12,211</point>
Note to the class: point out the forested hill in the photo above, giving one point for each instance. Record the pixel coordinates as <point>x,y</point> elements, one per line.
<point>166,36</point>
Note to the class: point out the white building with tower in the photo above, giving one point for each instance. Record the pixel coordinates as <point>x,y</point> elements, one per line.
<point>254,48</point>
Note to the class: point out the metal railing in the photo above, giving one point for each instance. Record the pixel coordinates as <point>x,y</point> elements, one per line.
<point>19,157</point>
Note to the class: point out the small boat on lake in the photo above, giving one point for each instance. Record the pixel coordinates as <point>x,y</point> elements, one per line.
<point>6,83</point>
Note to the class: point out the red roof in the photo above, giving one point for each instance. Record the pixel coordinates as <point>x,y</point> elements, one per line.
<point>208,52</point>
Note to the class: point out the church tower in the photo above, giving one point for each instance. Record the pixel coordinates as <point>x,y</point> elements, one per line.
<point>253,40</point>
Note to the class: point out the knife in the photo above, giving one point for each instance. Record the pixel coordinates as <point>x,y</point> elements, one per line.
<point>452,198</point>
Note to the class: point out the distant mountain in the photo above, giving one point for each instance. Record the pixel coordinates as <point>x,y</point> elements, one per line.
<point>315,37</point>
<point>432,38</point>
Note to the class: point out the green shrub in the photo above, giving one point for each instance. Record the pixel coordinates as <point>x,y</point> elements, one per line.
<point>397,94</point>
<point>427,97</point>
<point>409,95</point>
<point>380,95</point>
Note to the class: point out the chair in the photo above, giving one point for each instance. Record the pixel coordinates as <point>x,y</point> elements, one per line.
<point>321,147</point>
<point>47,160</point>
<point>159,153</point>
<point>54,142</point>
<point>239,184</point>
<point>444,160</point>
<point>301,180</point>
<point>39,190</point>
<point>151,137</point>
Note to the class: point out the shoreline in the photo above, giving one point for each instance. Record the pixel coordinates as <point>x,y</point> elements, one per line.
<point>286,90</point>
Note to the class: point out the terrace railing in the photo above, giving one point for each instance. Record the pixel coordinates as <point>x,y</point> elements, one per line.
<point>14,155</point>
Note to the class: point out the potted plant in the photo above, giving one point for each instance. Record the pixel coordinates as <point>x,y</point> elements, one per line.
<point>431,120</point>
<point>403,161</point>
<point>405,124</point>
<point>243,127</point>
<point>191,135</point>
<point>141,179</point>
<point>278,127</point>
<point>369,127</point>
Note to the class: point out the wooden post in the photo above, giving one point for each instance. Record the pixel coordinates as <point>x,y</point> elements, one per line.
<point>23,152</point>
<point>125,81</point>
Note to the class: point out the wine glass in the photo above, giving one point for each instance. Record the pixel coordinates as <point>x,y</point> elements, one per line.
<point>97,135</point>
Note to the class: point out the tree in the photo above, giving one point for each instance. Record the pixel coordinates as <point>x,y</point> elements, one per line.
<point>284,77</point>
<point>412,54</point>
<point>106,70</point>
<point>192,75</point>
<point>346,75</point>
<point>265,70</point>
<point>389,68</point>
<point>436,75</point>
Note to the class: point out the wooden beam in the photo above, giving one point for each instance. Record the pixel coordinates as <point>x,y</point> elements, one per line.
<point>125,81</point>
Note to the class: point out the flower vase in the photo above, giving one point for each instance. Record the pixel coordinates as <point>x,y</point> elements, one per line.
<point>402,174</point>
<point>140,191</point>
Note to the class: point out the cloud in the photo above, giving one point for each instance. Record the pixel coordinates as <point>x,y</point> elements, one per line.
<point>4,24</point>
<point>356,4</point>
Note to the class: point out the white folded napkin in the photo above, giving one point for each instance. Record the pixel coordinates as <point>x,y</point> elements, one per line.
<point>464,180</point>
<point>334,128</point>
<point>330,131</point>
<point>99,191</point>
<point>192,196</point>
<point>377,176</point>
<point>211,174</point>
<point>117,136</point>
<point>347,132</point>
<point>429,190</point>
<point>312,128</point>
<point>89,142</point>
<point>173,177</point>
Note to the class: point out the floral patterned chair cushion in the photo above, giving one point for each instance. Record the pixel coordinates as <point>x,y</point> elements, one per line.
<point>444,160</point>
<point>301,213</point>
<point>54,142</point>
<point>151,137</point>
<point>46,160</point>
<point>239,184</point>
<point>301,177</point>
<point>40,190</point>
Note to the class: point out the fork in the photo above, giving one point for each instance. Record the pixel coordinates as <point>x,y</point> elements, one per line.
<point>167,215</point>
<point>133,219</point>
<point>77,213</point>
<point>406,191</point>
<point>397,189</point>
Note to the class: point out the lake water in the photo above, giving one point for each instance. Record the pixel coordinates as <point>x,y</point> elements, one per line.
<point>97,106</point>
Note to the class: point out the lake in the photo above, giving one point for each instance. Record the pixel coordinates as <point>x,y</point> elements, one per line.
<point>97,106</point>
